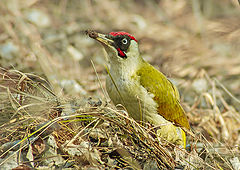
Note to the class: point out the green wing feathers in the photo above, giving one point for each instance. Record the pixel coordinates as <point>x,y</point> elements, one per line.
<point>166,94</point>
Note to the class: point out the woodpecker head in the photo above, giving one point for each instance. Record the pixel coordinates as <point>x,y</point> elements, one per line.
<point>122,47</point>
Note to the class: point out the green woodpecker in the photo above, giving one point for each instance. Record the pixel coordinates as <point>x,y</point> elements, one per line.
<point>144,91</point>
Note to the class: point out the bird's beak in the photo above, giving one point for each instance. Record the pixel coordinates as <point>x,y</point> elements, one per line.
<point>102,38</point>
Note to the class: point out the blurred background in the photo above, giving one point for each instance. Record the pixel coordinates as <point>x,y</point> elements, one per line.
<point>195,43</point>
<point>183,39</point>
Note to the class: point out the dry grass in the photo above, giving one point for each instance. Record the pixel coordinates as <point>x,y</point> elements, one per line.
<point>195,43</point>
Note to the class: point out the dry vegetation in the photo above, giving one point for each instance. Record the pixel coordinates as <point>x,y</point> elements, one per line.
<point>53,106</point>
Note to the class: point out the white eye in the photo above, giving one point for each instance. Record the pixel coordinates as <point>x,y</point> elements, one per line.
<point>124,41</point>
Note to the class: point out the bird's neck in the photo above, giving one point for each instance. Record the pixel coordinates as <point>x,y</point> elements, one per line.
<point>126,69</point>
